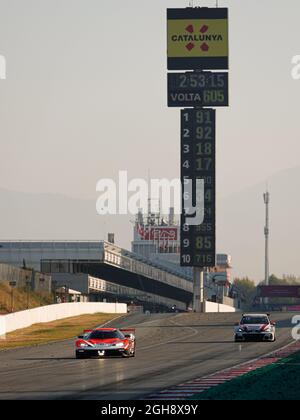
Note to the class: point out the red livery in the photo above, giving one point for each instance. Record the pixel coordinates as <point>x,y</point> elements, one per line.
<point>106,342</point>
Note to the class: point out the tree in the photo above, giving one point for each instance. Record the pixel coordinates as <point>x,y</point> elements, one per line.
<point>247,290</point>
<point>275,281</point>
<point>291,279</point>
<point>286,280</point>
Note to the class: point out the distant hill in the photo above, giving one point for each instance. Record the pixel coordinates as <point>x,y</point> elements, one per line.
<point>240,218</point>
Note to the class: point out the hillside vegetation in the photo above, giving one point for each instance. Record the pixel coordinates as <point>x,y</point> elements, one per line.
<point>20,299</point>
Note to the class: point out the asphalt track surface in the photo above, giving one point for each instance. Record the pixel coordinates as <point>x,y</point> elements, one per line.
<point>171,348</point>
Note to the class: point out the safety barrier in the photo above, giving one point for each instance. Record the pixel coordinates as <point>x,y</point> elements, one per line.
<point>2,326</point>
<point>212,307</point>
<point>23,319</point>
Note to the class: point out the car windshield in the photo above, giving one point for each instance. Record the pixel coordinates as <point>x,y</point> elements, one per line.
<point>254,320</point>
<point>104,335</point>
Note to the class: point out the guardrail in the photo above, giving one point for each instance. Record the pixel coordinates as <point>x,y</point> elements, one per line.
<point>23,319</point>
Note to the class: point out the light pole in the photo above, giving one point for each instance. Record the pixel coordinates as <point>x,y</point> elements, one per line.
<point>42,281</point>
<point>198,289</point>
<point>267,231</point>
<point>28,284</point>
<point>53,284</point>
<point>66,298</point>
<point>12,285</point>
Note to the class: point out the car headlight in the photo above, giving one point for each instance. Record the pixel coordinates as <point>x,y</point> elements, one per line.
<point>83,345</point>
<point>119,345</point>
<point>269,329</point>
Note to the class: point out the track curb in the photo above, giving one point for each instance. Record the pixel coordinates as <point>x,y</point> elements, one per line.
<point>196,386</point>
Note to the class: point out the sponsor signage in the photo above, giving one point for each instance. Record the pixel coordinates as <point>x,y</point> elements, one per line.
<point>197,38</point>
<point>279,291</point>
<point>157,233</point>
<point>198,150</point>
<point>197,89</point>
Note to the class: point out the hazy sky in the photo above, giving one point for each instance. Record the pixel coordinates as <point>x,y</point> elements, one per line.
<point>85,94</point>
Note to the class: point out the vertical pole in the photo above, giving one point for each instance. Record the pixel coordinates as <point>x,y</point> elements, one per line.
<point>12,299</point>
<point>201,289</point>
<point>198,289</point>
<point>267,231</point>
<point>28,291</point>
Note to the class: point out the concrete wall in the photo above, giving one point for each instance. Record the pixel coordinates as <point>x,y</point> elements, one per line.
<point>50,313</point>
<point>2,326</point>
<point>212,307</point>
<point>231,302</point>
<point>39,282</point>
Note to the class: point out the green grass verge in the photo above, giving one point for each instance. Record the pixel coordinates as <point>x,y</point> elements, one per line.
<point>279,381</point>
<point>53,331</point>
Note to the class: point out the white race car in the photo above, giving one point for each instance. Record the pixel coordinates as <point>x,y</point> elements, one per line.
<point>255,327</point>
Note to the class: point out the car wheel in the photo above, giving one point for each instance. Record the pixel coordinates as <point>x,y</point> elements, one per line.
<point>129,353</point>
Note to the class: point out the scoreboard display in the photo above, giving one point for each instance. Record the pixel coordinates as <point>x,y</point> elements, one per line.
<point>198,162</point>
<point>198,63</point>
<point>198,89</point>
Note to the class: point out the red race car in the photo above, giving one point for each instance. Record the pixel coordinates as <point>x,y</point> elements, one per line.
<point>106,342</point>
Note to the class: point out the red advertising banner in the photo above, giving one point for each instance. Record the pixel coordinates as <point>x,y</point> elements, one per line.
<point>156,233</point>
<point>279,291</point>
<point>295,308</point>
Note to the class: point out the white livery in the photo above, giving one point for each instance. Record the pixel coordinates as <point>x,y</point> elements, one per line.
<point>255,327</point>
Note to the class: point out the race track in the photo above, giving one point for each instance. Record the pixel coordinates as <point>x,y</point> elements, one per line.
<point>171,348</point>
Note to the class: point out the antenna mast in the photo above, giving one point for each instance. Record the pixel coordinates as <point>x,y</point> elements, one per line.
<point>267,231</point>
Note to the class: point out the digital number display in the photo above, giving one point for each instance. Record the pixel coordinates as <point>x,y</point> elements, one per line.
<point>198,162</point>
<point>197,89</point>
